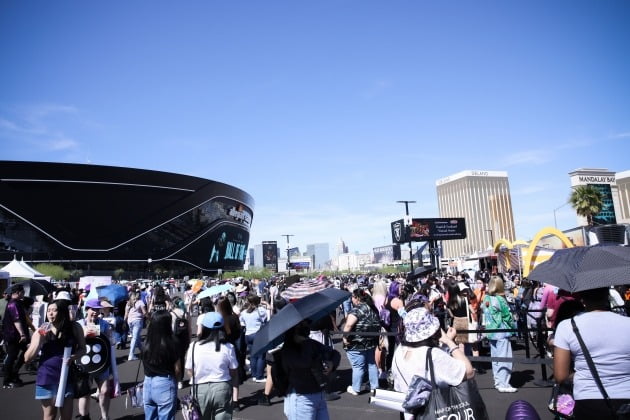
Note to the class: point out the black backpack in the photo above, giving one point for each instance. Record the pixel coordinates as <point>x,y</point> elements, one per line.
<point>181,327</point>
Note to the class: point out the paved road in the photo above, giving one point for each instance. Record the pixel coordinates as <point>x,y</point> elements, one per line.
<point>20,403</point>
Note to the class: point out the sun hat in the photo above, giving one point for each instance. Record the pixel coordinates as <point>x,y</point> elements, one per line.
<point>63,295</point>
<point>420,324</point>
<point>93,303</point>
<point>212,320</point>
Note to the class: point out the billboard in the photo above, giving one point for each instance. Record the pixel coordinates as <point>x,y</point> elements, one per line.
<point>606,215</point>
<point>270,255</point>
<point>399,232</point>
<point>386,254</point>
<point>437,229</point>
<point>300,265</point>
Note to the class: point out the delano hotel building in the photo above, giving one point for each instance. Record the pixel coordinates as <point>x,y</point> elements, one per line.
<point>483,199</point>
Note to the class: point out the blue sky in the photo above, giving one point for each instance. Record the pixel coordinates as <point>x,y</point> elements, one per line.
<point>326,112</point>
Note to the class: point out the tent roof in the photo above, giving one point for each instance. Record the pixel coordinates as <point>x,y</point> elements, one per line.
<point>19,269</point>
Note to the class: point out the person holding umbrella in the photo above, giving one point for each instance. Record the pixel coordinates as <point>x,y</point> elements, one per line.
<point>306,363</point>
<point>609,352</point>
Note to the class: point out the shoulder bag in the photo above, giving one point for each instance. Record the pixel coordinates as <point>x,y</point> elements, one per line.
<point>134,394</point>
<point>418,391</point>
<point>459,402</point>
<point>624,411</point>
<point>562,403</point>
<point>189,402</point>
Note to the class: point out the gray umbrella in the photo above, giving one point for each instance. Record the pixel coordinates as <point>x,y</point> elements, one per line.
<point>585,268</point>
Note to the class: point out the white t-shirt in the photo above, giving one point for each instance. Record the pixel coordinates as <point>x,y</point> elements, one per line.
<point>607,337</point>
<point>410,361</point>
<point>211,365</point>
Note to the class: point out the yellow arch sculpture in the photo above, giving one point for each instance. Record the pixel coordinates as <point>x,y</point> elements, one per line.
<point>532,246</point>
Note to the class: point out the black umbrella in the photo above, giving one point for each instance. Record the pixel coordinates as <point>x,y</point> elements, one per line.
<point>420,271</point>
<point>313,307</point>
<point>37,287</point>
<point>585,268</point>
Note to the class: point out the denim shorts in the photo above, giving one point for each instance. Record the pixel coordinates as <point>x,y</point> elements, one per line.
<point>47,392</point>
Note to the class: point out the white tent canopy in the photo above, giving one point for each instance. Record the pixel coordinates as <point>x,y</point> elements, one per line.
<point>20,269</point>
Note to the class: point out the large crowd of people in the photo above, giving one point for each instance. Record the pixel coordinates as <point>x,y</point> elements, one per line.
<point>156,323</point>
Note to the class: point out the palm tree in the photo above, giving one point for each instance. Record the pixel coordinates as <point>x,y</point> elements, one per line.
<point>587,201</point>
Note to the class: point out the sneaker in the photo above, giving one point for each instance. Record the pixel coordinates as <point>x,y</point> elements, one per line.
<point>351,390</point>
<point>506,389</point>
<point>235,407</point>
<point>260,381</point>
<point>264,400</point>
<point>10,385</point>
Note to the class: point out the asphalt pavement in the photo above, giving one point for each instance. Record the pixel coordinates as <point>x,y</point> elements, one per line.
<point>20,403</point>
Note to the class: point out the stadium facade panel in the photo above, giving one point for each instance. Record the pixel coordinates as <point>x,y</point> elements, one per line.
<point>103,215</point>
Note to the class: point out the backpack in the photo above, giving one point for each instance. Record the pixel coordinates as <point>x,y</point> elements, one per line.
<point>181,327</point>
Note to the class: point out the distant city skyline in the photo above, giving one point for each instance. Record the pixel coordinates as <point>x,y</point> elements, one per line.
<point>327,113</point>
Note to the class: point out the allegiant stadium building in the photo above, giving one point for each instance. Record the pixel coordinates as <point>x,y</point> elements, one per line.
<point>102,218</point>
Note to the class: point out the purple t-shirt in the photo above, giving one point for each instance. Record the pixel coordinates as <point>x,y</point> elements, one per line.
<point>13,313</point>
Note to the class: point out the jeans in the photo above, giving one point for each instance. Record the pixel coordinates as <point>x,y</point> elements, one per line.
<point>502,371</point>
<point>215,400</point>
<point>305,406</point>
<point>136,339</point>
<point>159,397</point>
<point>358,360</point>
<point>256,363</point>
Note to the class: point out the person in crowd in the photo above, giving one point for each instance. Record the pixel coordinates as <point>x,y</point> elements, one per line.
<point>162,368</point>
<point>16,336</point>
<point>49,342</point>
<point>253,317</point>
<point>121,329</point>
<point>306,363</point>
<point>205,306</point>
<point>459,311</point>
<point>498,316</point>
<point>421,332</point>
<point>93,325</point>
<point>135,313</point>
<point>610,354</point>
<point>360,349</point>
<point>181,330</point>
<point>215,368</point>
<point>232,327</point>
<point>159,300</point>
<point>265,398</point>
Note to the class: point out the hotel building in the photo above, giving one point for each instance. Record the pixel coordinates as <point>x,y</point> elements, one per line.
<point>483,199</point>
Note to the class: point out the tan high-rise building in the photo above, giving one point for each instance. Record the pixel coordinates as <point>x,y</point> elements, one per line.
<point>483,199</point>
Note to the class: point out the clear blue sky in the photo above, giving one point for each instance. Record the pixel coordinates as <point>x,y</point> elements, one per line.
<point>326,112</point>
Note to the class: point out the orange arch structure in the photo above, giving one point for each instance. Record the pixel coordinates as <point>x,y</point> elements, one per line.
<point>529,258</point>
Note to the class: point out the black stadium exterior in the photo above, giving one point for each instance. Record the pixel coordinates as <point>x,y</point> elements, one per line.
<point>101,218</point>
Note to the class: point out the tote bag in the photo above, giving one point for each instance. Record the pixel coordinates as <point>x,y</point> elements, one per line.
<point>458,402</point>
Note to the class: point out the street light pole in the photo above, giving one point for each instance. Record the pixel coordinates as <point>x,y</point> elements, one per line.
<point>407,225</point>
<point>555,221</point>
<point>288,255</point>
